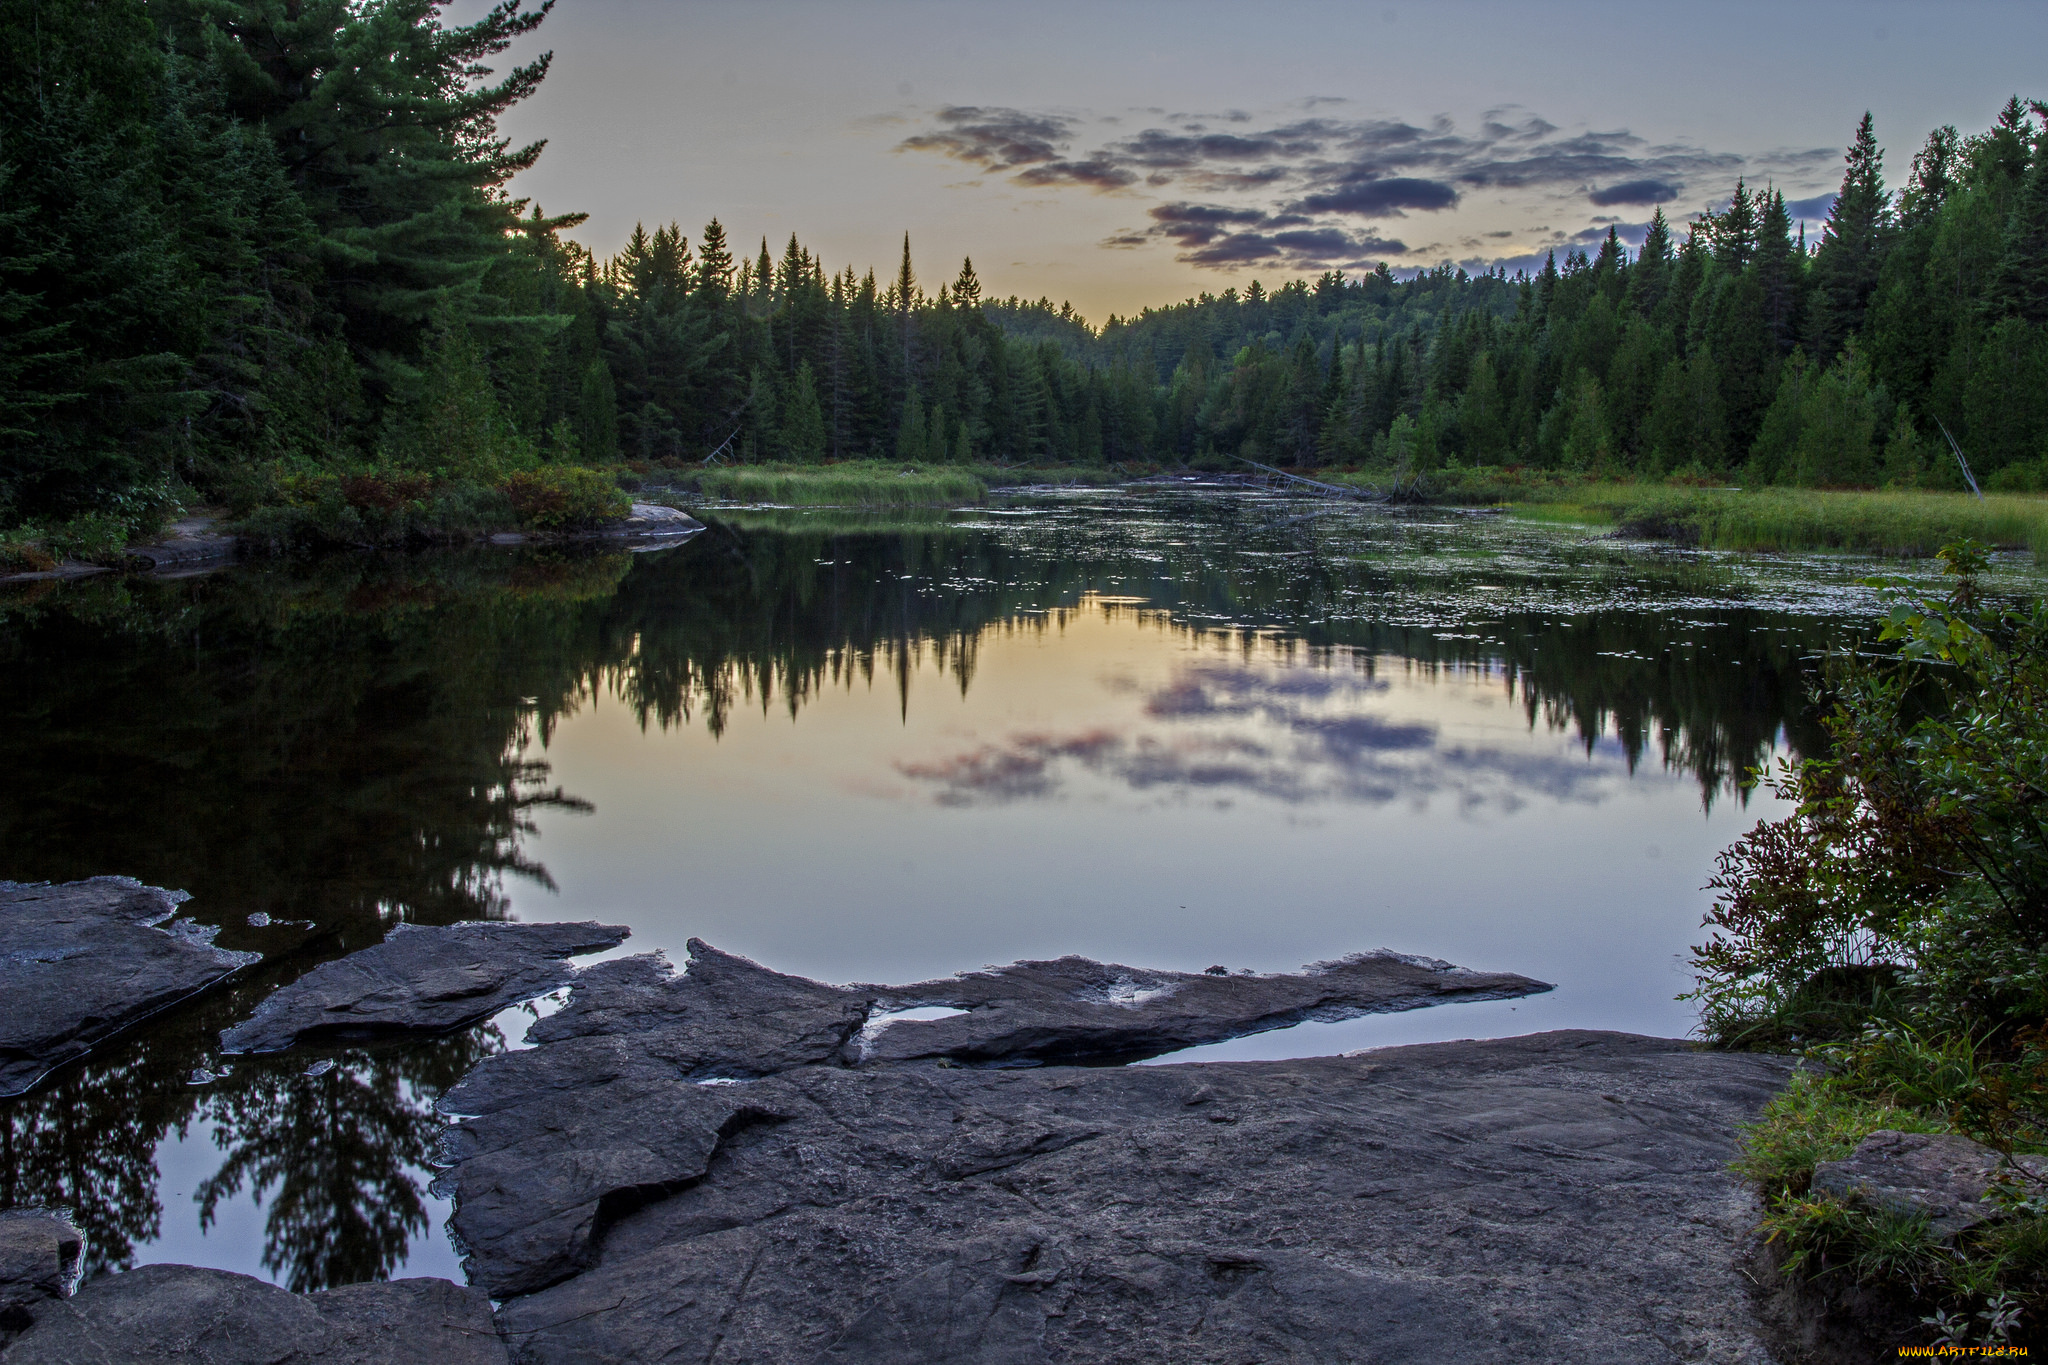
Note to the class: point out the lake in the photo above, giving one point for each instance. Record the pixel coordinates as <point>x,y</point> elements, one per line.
<point>1173,726</point>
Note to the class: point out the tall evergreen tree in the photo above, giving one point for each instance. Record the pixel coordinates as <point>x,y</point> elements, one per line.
<point>1845,269</point>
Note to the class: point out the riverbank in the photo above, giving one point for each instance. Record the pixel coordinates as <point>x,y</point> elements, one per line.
<point>805,1170</point>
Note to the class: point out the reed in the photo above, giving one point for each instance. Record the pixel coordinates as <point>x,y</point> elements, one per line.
<point>843,485</point>
<point>1909,524</point>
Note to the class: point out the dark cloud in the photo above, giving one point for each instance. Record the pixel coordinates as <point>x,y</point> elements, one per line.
<point>995,138</point>
<point>1223,237</point>
<point>1380,198</point>
<point>1636,192</point>
<point>1299,180</point>
<point>1096,173</point>
<point>1293,735</point>
<point>1820,206</point>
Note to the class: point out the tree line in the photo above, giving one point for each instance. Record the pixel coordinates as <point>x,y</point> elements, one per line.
<point>247,247</point>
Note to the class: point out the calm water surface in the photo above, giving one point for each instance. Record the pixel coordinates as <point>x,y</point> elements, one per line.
<point>1169,727</point>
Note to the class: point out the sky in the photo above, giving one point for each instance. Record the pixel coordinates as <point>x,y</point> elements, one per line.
<point>1125,153</point>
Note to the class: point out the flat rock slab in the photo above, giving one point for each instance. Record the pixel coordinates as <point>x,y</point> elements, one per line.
<point>1074,1009</point>
<point>187,544</point>
<point>81,961</point>
<point>654,519</point>
<point>659,1170</point>
<point>39,1259</point>
<point>421,980</point>
<point>1944,1176</point>
<point>195,1316</point>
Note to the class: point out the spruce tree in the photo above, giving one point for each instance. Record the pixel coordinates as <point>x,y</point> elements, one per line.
<point>1650,276</point>
<point>714,267</point>
<point>2021,289</point>
<point>1845,269</point>
<point>1778,270</point>
<point>966,289</point>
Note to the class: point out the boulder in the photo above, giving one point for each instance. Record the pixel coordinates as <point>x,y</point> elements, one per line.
<point>654,519</point>
<point>195,1316</point>
<point>714,1157</point>
<point>39,1260</point>
<point>421,980</point>
<point>1074,1009</point>
<point>187,545</point>
<point>81,961</point>
<point>1944,1176</point>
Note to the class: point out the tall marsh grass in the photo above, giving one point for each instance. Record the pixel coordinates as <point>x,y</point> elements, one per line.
<point>1903,523</point>
<point>844,485</point>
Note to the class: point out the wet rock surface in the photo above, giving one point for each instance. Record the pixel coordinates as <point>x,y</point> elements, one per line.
<point>81,961</point>
<point>39,1260</point>
<point>1074,1009</point>
<point>214,1317</point>
<point>188,544</point>
<point>1945,1176</point>
<point>715,1169</point>
<point>654,519</point>
<point>421,980</point>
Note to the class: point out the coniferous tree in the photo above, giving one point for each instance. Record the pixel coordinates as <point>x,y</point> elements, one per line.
<point>2021,289</point>
<point>1845,269</point>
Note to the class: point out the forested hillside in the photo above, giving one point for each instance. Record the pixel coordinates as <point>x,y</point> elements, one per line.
<point>266,254</point>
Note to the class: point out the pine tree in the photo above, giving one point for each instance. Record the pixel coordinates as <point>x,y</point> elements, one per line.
<point>1650,276</point>
<point>1735,231</point>
<point>1845,269</point>
<point>1778,269</point>
<point>966,289</point>
<point>2021,289</point>
<point>714,267</point>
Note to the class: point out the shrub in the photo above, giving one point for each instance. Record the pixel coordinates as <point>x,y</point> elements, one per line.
<point>91,538</point>
<point>1897,923</point>
<point>558,497</point>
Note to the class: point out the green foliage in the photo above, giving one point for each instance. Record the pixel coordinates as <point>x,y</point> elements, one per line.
<point>846,485</point>
<point>1897,923</point>
<point>555,497</point>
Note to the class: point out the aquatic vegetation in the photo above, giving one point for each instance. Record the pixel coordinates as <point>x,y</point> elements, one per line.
<point>1889,523</point>
<point>864,484</point>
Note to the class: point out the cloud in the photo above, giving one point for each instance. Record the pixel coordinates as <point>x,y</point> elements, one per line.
<point>1223,237</point>
<point>1636,192</point>
<point>1299,185</point>
<point>1380,198</point>
<point>1297,736</point>
<point>1096,173</point>
<point>993,137</point>
<point>1820,206</point>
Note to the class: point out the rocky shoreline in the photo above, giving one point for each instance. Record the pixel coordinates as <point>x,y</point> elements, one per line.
<point>727,1161</point>
<point>195,545</point>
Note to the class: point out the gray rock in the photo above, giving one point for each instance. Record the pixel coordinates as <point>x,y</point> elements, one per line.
<point>39,1259</point>
<point>1073,1009</point>
<point>707,1162</point>
<point>81,961</point>
<point>1943,1175</point>
<point>196,1316</point>
<point>654,519</point>
<point>421,980</point>
<point>186,545</point>
<point>1550,1198</point>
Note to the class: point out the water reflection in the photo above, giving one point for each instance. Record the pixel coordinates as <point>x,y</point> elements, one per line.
<point>337,1160</point>
<point>340,745</point>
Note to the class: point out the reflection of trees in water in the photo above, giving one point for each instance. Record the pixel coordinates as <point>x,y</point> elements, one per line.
<point>337,746</point>
<point>353,741</point>
<point>339,1159</point>
<point>335,1156</point>
<point>769,618</point>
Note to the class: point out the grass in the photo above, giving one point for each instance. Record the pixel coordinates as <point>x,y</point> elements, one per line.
<point>844,485</point>
<point>1910,524</point>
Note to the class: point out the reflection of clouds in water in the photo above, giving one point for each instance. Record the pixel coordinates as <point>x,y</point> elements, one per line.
<point>1296,735</point>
